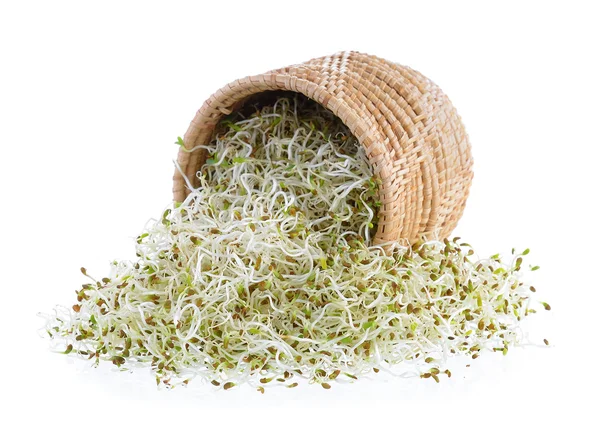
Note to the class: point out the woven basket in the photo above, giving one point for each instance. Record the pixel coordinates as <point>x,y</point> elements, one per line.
<point>412,135</point>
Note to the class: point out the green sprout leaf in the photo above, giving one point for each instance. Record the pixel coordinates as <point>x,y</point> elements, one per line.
<point>368,325</point>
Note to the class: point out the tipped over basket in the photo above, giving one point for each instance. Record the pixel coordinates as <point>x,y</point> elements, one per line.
<point>413,136</point>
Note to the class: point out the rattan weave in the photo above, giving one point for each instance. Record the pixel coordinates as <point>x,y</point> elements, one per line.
<point>412,134</point>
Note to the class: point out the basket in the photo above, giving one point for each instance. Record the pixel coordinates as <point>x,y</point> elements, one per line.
<point>413,136</point>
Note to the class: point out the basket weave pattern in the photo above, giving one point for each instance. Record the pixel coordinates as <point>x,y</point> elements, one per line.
<point>413,136</point>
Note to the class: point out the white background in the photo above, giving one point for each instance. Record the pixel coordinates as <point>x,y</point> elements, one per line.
<point>94,94</point>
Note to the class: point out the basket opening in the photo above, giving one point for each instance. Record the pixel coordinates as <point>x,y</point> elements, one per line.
<point>325,121</point>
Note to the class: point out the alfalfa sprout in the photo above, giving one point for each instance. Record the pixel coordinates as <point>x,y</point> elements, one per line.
<point>266,274</point>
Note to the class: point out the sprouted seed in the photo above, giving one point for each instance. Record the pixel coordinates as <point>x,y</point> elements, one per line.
<point>266,274</point>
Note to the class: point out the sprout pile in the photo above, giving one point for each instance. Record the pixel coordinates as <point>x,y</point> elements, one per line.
<point>266,273</point>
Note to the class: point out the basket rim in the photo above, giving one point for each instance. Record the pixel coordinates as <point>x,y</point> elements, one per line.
<point>358,125</point>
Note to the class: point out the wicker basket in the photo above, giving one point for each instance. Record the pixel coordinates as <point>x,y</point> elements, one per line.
<point>412,134</point>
